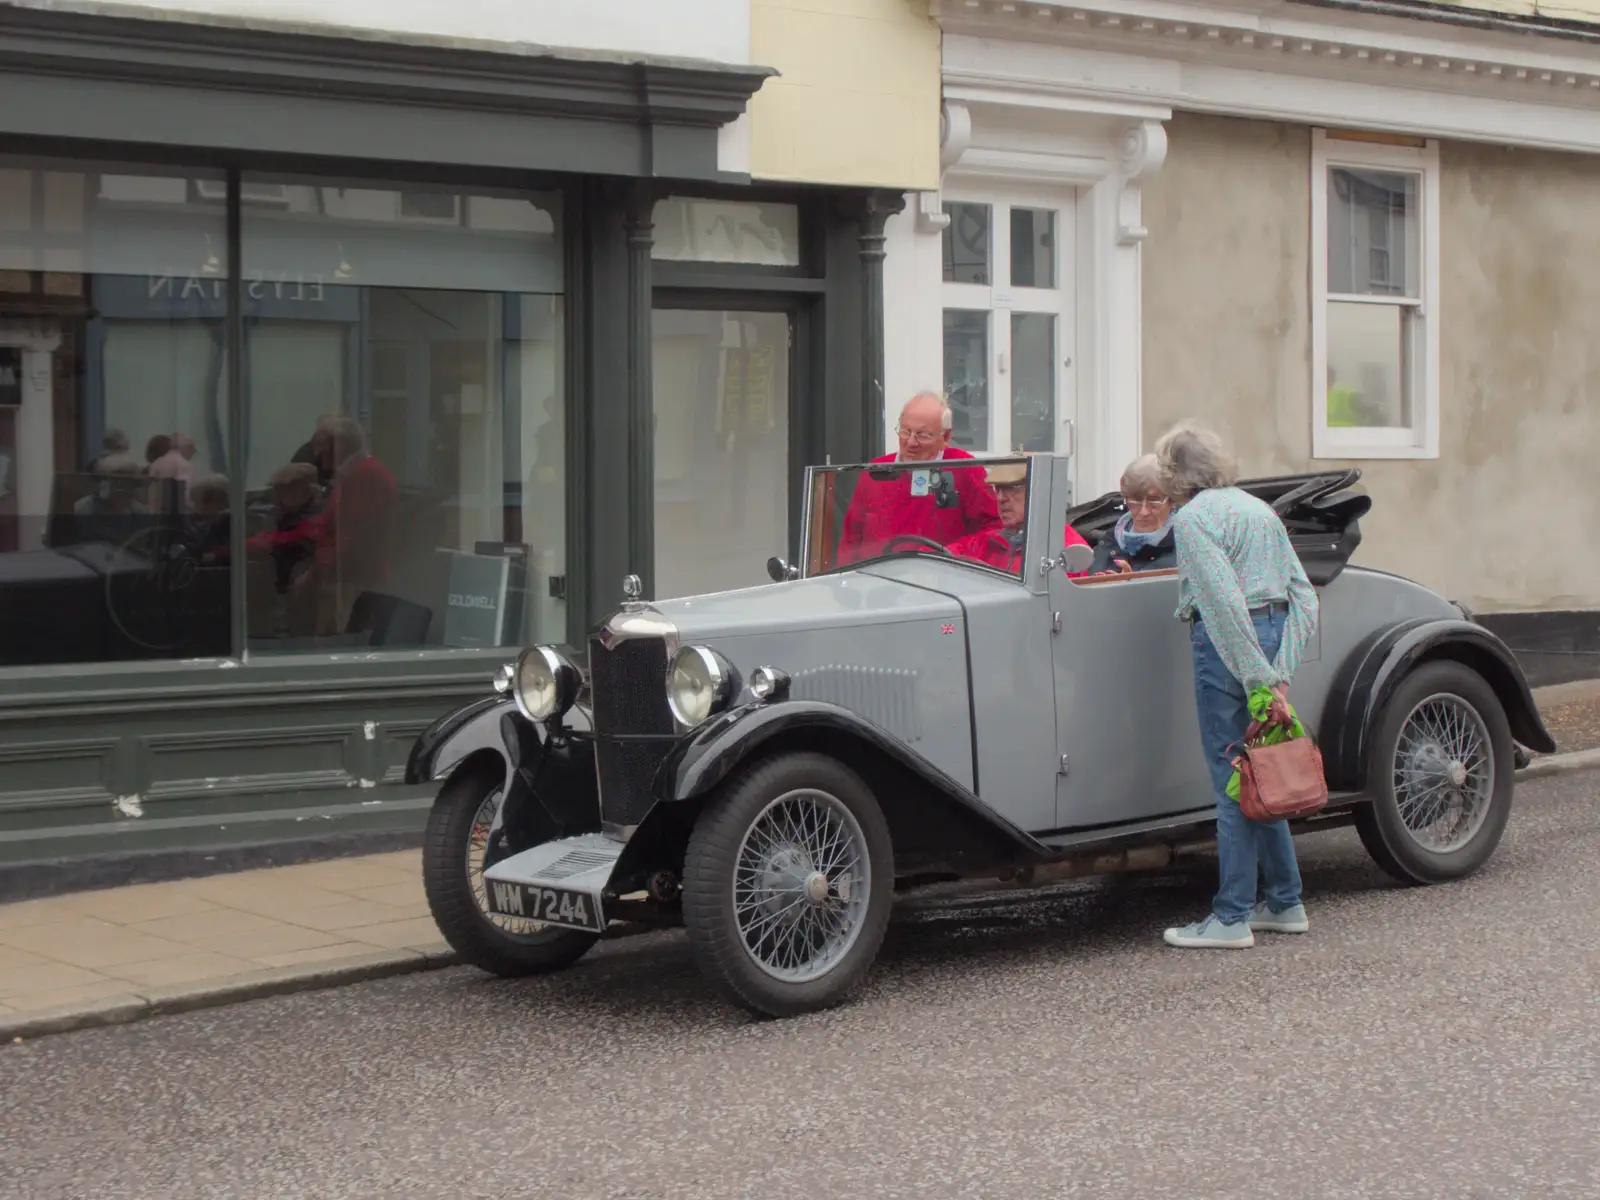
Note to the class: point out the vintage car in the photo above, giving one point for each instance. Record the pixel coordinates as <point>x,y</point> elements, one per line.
<point>771,767</point>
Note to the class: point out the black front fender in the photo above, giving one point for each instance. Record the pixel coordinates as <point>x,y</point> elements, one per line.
<point>1369,676</point>
<point>445,744</point>
<point>705,758</point>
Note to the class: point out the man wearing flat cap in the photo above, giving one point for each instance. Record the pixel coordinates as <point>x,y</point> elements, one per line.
<point>1002,548</point>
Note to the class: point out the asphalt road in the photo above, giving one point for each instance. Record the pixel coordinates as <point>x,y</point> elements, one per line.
<point>1418,1043</point>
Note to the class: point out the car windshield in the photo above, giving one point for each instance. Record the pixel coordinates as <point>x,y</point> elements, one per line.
<point>972,510</point>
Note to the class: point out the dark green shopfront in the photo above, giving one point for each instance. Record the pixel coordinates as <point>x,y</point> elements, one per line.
<point>334,370</point>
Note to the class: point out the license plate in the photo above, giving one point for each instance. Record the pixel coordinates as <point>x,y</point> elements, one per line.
<point>552,906</point>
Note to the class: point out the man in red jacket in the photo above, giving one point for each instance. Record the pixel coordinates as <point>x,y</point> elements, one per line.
<point>1002,548</point>
<point>352,537</point>
<point>882,509</point>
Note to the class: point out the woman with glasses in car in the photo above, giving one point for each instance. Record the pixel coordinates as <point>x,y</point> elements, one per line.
<point>1142,538</point>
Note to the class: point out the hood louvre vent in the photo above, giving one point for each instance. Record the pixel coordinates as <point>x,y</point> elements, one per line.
<point>886,697</point>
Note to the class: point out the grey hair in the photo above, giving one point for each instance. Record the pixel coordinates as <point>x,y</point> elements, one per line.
<point>1193,458</point>
<point>1144,475</point>
<point>947,418</point>
<point>348,432</point>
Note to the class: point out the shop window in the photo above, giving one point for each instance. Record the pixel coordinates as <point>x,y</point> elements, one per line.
<point>1007,325</point>
<point>114,437</point>
<point>1375,333</point>
<point>726,231</point>
<point>405,482</point>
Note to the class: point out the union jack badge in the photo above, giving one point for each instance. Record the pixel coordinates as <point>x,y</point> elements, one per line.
<point>947,628</point>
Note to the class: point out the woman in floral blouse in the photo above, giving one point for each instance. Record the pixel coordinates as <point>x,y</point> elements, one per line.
<point>1252,611</point>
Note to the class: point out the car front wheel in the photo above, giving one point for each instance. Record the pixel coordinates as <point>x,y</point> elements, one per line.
<point>455,851</point>
<point>787,886</point>
<point>1440,775</point>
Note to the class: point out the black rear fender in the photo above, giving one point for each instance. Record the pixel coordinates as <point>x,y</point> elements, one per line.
<point>933,820</point>
<point>1372,671</point>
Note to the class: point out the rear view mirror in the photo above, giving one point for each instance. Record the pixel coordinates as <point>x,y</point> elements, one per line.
<point>781,572</point>
<point>1075,560</point>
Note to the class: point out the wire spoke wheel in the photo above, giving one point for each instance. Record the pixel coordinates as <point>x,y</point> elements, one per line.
<point>477,852</point>
<point>801,883</point>
<point>1444,773</point>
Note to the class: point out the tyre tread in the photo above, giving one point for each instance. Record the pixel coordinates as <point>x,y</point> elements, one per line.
<point>712,849</point>
<point>450,900</point>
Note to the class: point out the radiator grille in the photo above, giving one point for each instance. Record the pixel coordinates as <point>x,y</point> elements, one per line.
<point>628,689</point>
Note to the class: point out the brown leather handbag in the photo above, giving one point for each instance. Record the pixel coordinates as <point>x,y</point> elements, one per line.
<point>1282,781</point>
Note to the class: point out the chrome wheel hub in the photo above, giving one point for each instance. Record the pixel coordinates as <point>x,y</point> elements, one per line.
<point>1443,773</point>
<point>800,886</point>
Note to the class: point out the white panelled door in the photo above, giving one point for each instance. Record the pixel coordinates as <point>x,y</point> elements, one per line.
<point>1010,319</point>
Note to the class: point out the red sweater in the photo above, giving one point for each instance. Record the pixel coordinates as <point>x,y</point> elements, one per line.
<point>883,509</point>
<point>354,532</point>
<point>994,548</point>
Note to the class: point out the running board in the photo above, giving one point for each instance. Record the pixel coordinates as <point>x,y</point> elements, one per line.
<point>559,883</point>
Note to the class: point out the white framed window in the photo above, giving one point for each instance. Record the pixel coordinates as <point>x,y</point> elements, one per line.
<point>1008,307</point>
<point>1374,298</point>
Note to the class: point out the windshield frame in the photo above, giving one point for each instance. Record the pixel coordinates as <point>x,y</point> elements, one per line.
<point>1030,462</point>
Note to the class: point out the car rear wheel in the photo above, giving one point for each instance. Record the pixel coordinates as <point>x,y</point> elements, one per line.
<point>1440,775</point>
<point>456,848</point>
<point>787,885</point>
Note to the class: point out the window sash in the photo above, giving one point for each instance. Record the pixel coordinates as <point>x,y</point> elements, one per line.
<point>1420,439</point>
<point>1000,298</point>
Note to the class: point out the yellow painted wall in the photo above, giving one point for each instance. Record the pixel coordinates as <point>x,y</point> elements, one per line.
<point>1560,10</point>
<point>858,98</point>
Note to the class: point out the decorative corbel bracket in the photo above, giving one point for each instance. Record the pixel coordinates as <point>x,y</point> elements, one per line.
<point>1144,149</point>
<point>955,135</point>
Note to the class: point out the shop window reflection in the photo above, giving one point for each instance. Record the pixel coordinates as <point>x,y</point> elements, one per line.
<point>420,381</point>
<point>114,451</point>
<point>400,480</point>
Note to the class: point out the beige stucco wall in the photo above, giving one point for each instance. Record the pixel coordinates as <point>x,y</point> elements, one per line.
<point>858,98</point>
<point>1507,516</point>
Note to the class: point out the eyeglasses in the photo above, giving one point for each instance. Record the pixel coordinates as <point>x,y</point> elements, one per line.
<point>917,437</point>
<point>1133,502</point>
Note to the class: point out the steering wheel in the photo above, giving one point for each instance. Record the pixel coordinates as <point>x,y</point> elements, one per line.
<point>888,547</point>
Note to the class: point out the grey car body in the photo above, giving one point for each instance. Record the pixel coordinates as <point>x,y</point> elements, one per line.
<point>1007,727</point>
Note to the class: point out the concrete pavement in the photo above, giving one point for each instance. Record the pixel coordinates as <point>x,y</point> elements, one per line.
<point>99,956</point>
<point>1429,1042</point>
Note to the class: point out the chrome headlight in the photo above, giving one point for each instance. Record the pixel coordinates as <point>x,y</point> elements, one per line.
<point>699,683</point>
<point>546,684</point>
<point>769,683</point>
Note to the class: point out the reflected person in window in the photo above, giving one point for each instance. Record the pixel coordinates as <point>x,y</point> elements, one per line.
<point>1142,539</point>
<point>177,463</point>
<point>882,509</point>
<point>352,537</point>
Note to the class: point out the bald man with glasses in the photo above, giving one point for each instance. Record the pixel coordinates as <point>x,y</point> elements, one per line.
<point>882,509</point>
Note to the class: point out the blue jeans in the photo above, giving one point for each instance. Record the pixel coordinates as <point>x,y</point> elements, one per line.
<point>1247,851</point>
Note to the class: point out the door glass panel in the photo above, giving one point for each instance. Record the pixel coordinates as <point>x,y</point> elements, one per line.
<point>966,376</point>
<point>704,231</point>
<point>721,400</point>
<point>1033,382</point>
<point>966,244</point>
<point>1033,248</point>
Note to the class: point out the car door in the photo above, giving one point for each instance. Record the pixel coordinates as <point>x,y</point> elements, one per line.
<point>1126,729</point>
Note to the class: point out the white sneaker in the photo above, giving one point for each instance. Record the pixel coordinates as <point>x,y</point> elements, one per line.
<point>1211,934</point>
<point>1290,920</point>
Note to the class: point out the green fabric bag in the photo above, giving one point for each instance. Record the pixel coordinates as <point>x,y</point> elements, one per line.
<point>1260,703</point>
